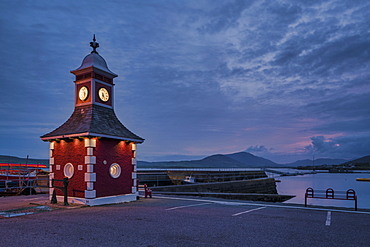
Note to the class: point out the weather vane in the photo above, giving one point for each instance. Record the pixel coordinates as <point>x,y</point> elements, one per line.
<point>94,45</point>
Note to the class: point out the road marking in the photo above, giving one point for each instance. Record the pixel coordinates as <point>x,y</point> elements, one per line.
<point>187,206</point>
<point>328,219</point>
<point>263,205</point>
<point>248,211</point>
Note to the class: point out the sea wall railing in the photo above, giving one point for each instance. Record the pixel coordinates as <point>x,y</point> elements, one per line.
<point>330,194</point>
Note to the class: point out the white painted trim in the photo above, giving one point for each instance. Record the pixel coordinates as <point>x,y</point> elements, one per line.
<point>90,177</point>
<point>133,189</point>
<point>101,200</point>
<point>133,147</point>
<point>89,186</point>
<point>91,134</point>
<point>90,160</point>
<point>89,168</point>
<point>57,167</point>
<point>134,176</point>
<point>51,145</point>
<point>90,142</point>
<point>90,194</point>
<point>51,161</point>
<point>133,161</point>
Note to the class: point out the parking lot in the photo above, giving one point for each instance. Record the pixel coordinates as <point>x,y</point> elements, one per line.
<point>184,221</point>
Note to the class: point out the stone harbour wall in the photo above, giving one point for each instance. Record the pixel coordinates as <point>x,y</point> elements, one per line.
<point>259,186</point>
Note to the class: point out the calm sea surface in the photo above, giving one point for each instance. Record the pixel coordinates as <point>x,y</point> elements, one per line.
<point>297,185</point>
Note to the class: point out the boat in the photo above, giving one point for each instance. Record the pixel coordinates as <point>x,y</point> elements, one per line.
<point>189,180</point>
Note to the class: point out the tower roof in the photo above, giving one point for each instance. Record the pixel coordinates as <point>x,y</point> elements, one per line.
<point>94,60</point>
<point>93,121</point>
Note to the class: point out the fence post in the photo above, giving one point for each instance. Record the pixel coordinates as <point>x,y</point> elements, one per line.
<point>65,190</point>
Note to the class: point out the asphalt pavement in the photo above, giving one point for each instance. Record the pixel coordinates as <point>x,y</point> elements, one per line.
<point>179,221</point>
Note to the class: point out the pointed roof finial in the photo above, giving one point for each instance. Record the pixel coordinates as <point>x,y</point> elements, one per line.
<point>94,45</point>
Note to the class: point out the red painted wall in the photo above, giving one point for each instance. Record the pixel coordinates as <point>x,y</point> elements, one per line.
<point>113,151</point>
<point>70,151</point>
<point>109,150</point>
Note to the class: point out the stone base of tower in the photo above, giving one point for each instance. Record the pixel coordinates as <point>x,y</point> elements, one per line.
<point>101,200</point>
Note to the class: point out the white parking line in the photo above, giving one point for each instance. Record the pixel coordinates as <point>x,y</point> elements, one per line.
<point>193,205</point>
<point>248,211</point>
<point>328,219</point>
<point>262,205</point>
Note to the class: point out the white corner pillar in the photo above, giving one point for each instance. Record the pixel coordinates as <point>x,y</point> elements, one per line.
<point>90,161</point>
<point>51,168</point>
<point>134,169</point>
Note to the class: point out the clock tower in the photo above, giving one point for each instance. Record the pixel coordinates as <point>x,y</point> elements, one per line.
<point>93,148</point>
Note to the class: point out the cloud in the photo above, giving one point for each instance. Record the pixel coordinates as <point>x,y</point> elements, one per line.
<point>194,75</point>
<point>347,147</point>
<point>257,149</point>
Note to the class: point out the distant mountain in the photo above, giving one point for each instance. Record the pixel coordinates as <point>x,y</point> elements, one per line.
<point>235,160</point>
<point>363,160</point>
<point>317,162</point>
<point>250,160</point>
<point>16,160</point>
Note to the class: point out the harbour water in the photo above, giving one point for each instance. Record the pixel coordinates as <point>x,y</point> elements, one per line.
<point>297,185</point>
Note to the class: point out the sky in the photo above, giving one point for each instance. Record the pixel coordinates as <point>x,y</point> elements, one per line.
<point>283,80</point>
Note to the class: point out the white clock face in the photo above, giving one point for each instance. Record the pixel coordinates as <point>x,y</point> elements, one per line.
<point>83,93</point>
<point>103,94</point>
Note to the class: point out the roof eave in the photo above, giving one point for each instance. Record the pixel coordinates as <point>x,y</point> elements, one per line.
<point>91,134</point>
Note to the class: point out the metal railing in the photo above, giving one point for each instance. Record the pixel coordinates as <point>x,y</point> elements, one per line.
<point>330,194</point>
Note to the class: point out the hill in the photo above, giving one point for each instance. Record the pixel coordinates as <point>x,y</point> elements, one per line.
<point>250,160</point>
<point>235,160</point>
<point>363,160</point>
<point>317,162</point>
<point>16,160</point>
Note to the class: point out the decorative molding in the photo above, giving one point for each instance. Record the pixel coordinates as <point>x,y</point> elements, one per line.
<point>90,194</point>
<point>133,161</point>
<point>91,134</point>
<point>134,176</point>
<point>90,160</point>
<point>90,186</point>
<point>90,151</point>
<point>90,143</point>
<point>90,177</point>
<point>51,161</point>
<point>89,168</point>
